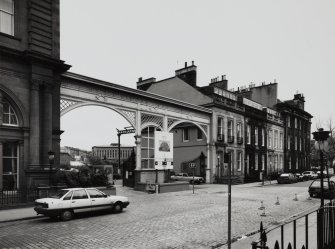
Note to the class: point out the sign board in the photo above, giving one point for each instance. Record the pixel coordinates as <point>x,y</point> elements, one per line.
<point>163,150</point>
<point>191,165</point>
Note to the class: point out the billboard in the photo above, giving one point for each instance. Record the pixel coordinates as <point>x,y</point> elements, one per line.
<point>163,150</point>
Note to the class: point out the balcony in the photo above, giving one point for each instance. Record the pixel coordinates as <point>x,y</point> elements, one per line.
<point>220,137</point>
<point>240,140</point>
<point>231,139</point>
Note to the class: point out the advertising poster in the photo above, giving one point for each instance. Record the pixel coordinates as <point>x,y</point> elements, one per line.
<point>163,150</point>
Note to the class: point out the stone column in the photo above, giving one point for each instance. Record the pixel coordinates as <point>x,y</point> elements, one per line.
<point>138,140</point>
<point>20,166</point>
<point>34,142</point>
<point>165,123</point>
<point>47,124</point>
<point>208,169</point>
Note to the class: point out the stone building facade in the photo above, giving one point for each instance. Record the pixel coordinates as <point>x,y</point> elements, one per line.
<point>30,69</point>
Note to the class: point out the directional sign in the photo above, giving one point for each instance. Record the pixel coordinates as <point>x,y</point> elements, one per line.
<point>191,165</point>
<point>126,131</point>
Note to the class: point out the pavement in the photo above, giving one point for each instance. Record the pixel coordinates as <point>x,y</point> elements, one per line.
<point>169,220</point>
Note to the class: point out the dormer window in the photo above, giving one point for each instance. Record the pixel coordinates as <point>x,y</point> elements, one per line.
<point>7,17</point>
<point>9,116</point>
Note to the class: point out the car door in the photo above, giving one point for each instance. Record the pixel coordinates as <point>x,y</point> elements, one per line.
<point>99,200</point>
<point>80,201</point>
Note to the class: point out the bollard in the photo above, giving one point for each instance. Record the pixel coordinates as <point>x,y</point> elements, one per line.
<point>263,213</point>
<point>156,189</point>
<point>261,207</point>
<point>277,202</point>
<point>295,198</point>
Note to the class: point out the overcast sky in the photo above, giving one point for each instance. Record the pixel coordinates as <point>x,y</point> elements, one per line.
<point>290,41</point>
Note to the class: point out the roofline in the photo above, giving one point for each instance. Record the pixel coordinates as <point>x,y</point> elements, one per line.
<point>149,95</point>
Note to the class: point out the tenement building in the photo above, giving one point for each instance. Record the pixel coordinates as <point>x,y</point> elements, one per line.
<point>30,69</point>
<point>249,124</point>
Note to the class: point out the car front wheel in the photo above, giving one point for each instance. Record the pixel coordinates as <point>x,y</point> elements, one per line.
<point>117,207</point>
<point>66,215</point>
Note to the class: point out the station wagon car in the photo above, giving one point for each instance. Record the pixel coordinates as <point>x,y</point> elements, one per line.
<point>70,201</point>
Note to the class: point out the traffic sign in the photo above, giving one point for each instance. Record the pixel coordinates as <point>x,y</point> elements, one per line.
<point>191,165</point>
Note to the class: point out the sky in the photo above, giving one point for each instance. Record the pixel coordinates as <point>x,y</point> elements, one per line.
<point>291,42</point>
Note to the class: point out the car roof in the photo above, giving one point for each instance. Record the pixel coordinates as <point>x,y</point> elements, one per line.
<point>76,188</point>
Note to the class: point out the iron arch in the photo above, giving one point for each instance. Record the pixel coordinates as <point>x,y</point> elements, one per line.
<point>77,105</point>
<point>187,121</point>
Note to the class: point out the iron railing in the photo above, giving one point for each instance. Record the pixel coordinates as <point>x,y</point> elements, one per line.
<point>322,236</point>
<point>284,230</point>
<point>326,226</point>
<point>17,196</point>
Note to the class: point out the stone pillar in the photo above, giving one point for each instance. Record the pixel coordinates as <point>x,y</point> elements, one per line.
<point>165,123</point>
<point>138,140</point>
<point>1,166</point>
<point>34,143</point>
<point>20,166</point>
<point>208,169</point>
<point>47,124</point>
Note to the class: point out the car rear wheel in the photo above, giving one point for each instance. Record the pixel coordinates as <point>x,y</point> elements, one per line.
<point>117,207</point>
<point>66,215</point>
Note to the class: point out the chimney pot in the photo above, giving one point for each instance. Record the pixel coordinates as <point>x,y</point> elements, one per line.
<point>140,79</point>
<point>192,63</point>
<point>185,64</point>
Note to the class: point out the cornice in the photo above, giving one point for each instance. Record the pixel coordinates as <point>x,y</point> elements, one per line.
<point>148,95</point>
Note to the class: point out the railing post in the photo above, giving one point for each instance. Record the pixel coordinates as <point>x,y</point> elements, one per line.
<point>282,236</point>
<point>295,234</point>
<point>306,231</point>
<point>254,245</point>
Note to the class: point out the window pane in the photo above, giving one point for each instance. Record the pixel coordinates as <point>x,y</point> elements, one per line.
<point>9,165</point>
<point>6,5</point>
<point>9,182</point>
<point>9,150</point>
<point>94,193</point>
<point>80,194</point>
<point>5,119</point>
<point>13,120</point>
<point>5,23</point>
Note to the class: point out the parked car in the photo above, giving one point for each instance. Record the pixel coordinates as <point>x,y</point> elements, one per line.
<point>286,178</point>
<point>300,177</point>
<point>319,174</point>
<point>315,189</point>
<point>185,177</point>
<point>310,174</point>
<point>68,202</point>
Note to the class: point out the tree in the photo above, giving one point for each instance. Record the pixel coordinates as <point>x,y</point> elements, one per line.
<point>94,160</point>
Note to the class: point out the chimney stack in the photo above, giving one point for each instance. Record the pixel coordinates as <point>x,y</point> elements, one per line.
<point>188,74</point>
<point>145,84</point>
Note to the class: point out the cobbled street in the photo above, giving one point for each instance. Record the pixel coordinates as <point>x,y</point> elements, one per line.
<point>170,220</point>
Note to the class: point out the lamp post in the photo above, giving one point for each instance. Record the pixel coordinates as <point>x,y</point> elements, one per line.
<point>321,144</point>
<point>226,159</point>
<point>51,156</point>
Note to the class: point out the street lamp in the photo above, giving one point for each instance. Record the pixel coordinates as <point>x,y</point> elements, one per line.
<point>226,159</point>
<point>51,156</point>
<point>321,144</point>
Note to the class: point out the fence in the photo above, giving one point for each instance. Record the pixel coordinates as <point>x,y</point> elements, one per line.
<point>321,237</point>
<point>17,196</point>
<point>326,226</point>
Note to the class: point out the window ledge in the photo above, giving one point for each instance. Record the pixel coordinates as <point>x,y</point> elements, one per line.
<point>10,36</point>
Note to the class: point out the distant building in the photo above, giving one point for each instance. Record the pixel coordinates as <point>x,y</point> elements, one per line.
<point>111,152</point>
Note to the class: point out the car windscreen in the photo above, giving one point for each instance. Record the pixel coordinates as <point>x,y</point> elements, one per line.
<point>318,184</point>
<point>59,194</point>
